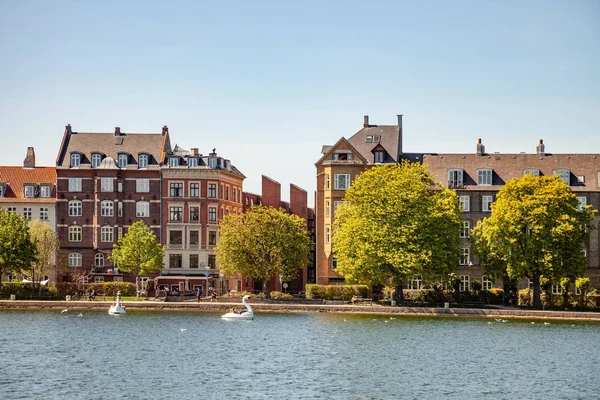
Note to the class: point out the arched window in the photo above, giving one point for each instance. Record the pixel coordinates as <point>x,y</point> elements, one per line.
<point>75,160</point>
<point>123,160</point>
<point>99,260</point>
<point>106,208</point>
<point>74,208</point>
<point>96,160</point>
<point>74,233</point>
<point>143,161</point>
<point>74,260</point>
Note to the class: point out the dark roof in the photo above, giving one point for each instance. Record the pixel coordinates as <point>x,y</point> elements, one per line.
<point>389,139</point>
<point>15,179</point>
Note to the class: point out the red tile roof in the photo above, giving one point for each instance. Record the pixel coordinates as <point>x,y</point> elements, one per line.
<point>14,179</point>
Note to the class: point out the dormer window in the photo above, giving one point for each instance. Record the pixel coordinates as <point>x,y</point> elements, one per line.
<point>484,176</point>
<point>96,160</point>
<point>123,158</point>
<point>342,156</point>
<point>143,161</point>
<point>369,139</point>
<point>564,174</point>
<point>375,138</point>
<point>379,156</point>
<point>455,178</point>
<point>174,162</point>
<point>75,160</point>
<point>212,162</point>
<point>45,191</point>
<point>532,171</point>
<point>29,190</point>
<point>192,162</point>
<point>2,188</point>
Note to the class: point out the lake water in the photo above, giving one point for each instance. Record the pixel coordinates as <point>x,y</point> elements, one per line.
<point>143,355</point>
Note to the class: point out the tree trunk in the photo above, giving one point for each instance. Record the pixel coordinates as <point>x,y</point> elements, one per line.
<point>266,289</point>
<point>537,299</point>
<point>399,294</point>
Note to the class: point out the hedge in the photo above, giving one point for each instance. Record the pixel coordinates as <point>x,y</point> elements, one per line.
<point>334,292</point>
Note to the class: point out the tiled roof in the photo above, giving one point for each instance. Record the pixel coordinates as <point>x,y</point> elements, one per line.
<point>110,145</point>
<point>389,137</point>
<point>14,179</point>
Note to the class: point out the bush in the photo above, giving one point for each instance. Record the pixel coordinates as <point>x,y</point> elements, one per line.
<point>330,292</point>
<point>492,296</point>
<point>281,296</point>
<point>111,288</point>
<point>23,290</point>
<point>476,285</point>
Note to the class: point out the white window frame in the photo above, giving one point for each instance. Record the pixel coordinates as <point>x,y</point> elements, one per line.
<point>197,189</point>
<point>465,283</point>
<point>27,213</point>
<point>107,234</point>
<point>556,289</point>
<point>484,176</point>
<point>75,208</point>
<point>582,202</point>
<point>143,161</point>
<point>107,184</point>
<point>465,203</point>
<point>142,185</point>
<point>74,260</point>
<point>173,162</point>
<point>336,204</point>
<point>486,203</point>
<point>75,184</point>
<point>197,219</point>
<point>99,260</point>
<point>107,208</point>
<point>75,160</point>
<point>327,185</point>
<point>455,178</point>
<point>176,211</point>
<point>96,160</point>
<point>45,191</point>
<point>212,163</point>
<point>98,279</point>
<point>465,231</point>
<point>212,190</point>
<point>142,209</point>
<point>327,208</point>
<point>465,257</point>
<point>29,191</point>
<point>327,235</point>
<point>486,283</point>
<point>212,214</point>
<point>341,181</point>
<point>564,174</point>
<point>334,263</point>
<point>532,171</point>
<point>379,156</point>
<point>416,282</point>
<point>122,160</point>
<point>192,162</point>
<point>75,233</point>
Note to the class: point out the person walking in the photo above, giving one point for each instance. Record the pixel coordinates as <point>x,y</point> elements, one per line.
<point>199,295</point>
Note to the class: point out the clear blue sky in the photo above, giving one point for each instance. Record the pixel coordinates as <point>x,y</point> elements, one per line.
<point>267,83</point>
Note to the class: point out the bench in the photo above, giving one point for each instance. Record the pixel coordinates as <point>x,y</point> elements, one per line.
<point>360,299</point>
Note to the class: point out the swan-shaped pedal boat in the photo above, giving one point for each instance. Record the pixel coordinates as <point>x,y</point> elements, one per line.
<point>117,308</point>
<point>248,313</point>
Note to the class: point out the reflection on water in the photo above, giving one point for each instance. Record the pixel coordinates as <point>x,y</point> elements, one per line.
<point>46,355</point>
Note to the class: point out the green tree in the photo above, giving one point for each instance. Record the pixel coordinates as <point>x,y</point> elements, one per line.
<point>138,251</point>
<point>47,243</point>
<point>536,228</point>
<point>396,222</point>
<point>17,251</point>
<point>583,285</point>
<point>263,243</point>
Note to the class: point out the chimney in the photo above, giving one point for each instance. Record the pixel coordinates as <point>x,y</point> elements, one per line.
<point>366,123</point>
<point>399,136</point>
<point>194,151</point>
<point>165,130</point>
<point>480,148</point>
<point>68,128</point>
<point>541,149</point>
<point>29,161</point>
<point>117,131</point>
<point>399,120</point>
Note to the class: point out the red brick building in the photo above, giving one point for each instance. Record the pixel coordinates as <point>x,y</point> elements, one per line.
<point>105,183</point>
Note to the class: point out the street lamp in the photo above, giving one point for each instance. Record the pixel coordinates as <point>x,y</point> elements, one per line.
<point>221,276</point>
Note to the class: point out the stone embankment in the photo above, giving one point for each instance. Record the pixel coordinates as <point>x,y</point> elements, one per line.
<point>293,307</point>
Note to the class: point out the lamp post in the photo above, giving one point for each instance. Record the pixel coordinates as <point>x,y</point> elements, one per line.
<point>221,276</point>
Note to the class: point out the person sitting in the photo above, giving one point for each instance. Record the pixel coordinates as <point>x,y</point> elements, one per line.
<point>92,295</point>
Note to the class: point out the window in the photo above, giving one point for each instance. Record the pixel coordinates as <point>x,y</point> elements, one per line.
<point>327,208</point>
<point>369,139</point>
<point>193,260</point>
<point>174,260</point>
<point>98,279</point>
<point>415,282</point>
<point>486,283</point>
<point>484,176</point>
<point>120,208</point>
<point>43,214</point>
<point>143,161</point>
<point>194,190</point>
<point>336,204</point>
<point>582,202</point>
<point>75,160</point>
<point>375,138</point>
<point>2,190</point>
<point>212,238</point>
<point>176,189</point>
<point>119,233</point>
<point>334,263</point>
<point>464,256</point>
<point>123,158</point>
<point>226,192</point>
<point>175,237</point>
<point>584,252</point>
<point>327,235</point>
<point>564,174</point>
<point>455,178</point>
<point>75,208</point>
<point>465,203</point>
<point>212,214</point>
<point>74,233</point>
<point>465,230</point>
<point>194,237</point>
<point>532,171</point>
<point>176,214</point>
<point>29,191</point>
<point>212,163</point>
<point>192,162</point>
<point>120,187</point>
<point>142,209</point>
<point>379,156</point>
<point>486,203</point>
<point>327,181</point>
<point>106,234</point>
<point>212,261</point>
<point>12,209</point>
<point>96,160</point>
<point>212,190</point>
<point>464,283</point>
<point>74,184</point>
<point>107,208</point>
<point>174,162</point>
<point>580,179</point>
<point>341,181</point>
<point>342,156</point>
<point>45,191</point>
<point>194,214</point>
<point>556,289</point>
<point>142,185</point>
<point>99,260</point>
<point>106,184</point>
<point>27,213</point>
<point>74,260</point>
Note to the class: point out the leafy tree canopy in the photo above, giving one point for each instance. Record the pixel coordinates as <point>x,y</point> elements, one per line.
<point>396,222</point>
<point>17,251</point>
<point>47,243</point>
<point>138,251</point>
<point>536,228</point>
<point>263,243</point>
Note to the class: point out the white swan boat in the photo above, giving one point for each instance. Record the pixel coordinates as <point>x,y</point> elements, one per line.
<point>117,308</point>
<point>248,313</point>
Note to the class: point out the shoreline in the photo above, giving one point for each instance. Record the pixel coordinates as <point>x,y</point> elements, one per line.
<point>259,308</point>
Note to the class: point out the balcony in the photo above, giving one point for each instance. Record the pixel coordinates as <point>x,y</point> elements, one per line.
<point>455,185</point>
